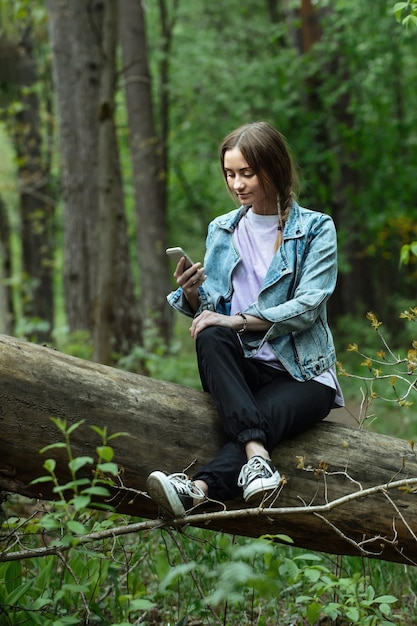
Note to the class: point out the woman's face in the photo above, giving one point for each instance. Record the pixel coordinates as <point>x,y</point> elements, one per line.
<point>242,180</point>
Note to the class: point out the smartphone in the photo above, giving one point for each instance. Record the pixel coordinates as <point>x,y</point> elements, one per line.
<point>175,255</point>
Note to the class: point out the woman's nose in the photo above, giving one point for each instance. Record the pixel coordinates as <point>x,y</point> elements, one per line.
<point>238,183</point>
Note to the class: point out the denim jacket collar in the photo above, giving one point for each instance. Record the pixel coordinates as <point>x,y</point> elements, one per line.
<point>293,228</point>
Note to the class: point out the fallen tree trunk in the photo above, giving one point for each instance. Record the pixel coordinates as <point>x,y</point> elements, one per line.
<point>171,427</point>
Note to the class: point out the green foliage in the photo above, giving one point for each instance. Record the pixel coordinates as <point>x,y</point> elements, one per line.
<point>77,343</point>
<point>386,376</point>
<point>61,581</point>
<point>406,13</point>
<point>175,362</point>
<point>249,577</point>
<point>407,251</point>
<point>73,565</point>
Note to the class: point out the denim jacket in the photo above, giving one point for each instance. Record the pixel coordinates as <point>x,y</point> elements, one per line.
<point>299,281</point>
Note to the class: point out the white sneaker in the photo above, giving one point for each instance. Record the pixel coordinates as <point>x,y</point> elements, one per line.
<point>258,477</point>
<point>175,493</point>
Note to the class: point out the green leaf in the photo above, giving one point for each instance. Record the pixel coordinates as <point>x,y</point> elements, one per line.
<point>80,502</point>
<point>176,572</point>
<point>74,427</point>
<point>313,612</point>
<point>120,434</point>
<point>352,614</point>
<point>386,599</point>
<point>289,569</point>
<point>332,610</point>
<point>40,602</point>
<point>49,522</point>
<point>102,432</point>
<point>80,462</point>
<point>405,254</point>
<point>370,593</point>
<point>108,468</point>
<point>281,538</point>
<point>45,568</point>
<point>308,556</point>
<point>400,6</point>
<point>71,485</point>
<point>312,574</point>
<point>105,452</point>
<point>41,479</point>
<point>53,446</point>
<point>385,609</point>
<point>410,19</point>
<point>76,527</point>
<point>141,604</point>
<point>96,491</point>
<point>162,564</point>
<point>50,465</point>
<point>13,575</point>
<point>103,506</point>
<point>59,423</point>
<point>66,541</point>
<point>302,599</point>
<point>19,592</point>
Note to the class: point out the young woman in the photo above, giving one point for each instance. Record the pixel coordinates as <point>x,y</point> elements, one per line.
<point>264,348</point>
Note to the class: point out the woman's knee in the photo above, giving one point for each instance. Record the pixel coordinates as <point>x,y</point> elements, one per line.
<point>215,335</point>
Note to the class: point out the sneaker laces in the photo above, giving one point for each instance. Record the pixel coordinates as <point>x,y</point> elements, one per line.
<point>252,468</point>
<point>186,487</point>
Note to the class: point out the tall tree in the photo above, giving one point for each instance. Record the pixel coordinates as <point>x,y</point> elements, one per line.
<point>36,207</point>
<point>6,308</point>
<point>103,309</point>
<point>99,290</point>
<point>73,28</point>
<point>149,174</point>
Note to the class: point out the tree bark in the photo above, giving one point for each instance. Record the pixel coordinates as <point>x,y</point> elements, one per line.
<point>6,306</point>
<point>84,73</point>
<point>172,427</point>
<point>106,279</point>
<point>76,63</point>
<point>36,208</point>
<point>149,176</point>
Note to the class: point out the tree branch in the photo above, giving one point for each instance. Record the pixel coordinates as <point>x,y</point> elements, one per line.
<point>206,518</point>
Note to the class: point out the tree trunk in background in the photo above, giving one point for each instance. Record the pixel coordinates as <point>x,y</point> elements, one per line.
<point>127,322</point>
<point>107,226</point>
<point>36,208</point>
<point>6,316</point>
<point>149,177</point>
<point>167,23</point>
<point>99,289</point>
<point>74,27</point>
<point>352,286</point>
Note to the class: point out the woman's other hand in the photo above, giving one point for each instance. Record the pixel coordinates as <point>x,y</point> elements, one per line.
<point>211,318</point>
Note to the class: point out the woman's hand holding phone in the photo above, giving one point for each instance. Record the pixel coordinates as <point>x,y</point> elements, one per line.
<point>188,275</point>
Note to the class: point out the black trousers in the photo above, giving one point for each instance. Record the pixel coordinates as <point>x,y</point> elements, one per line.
<point>254,402</point>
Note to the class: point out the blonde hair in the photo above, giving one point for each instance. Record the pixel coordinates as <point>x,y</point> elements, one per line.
<point>266,152</point>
